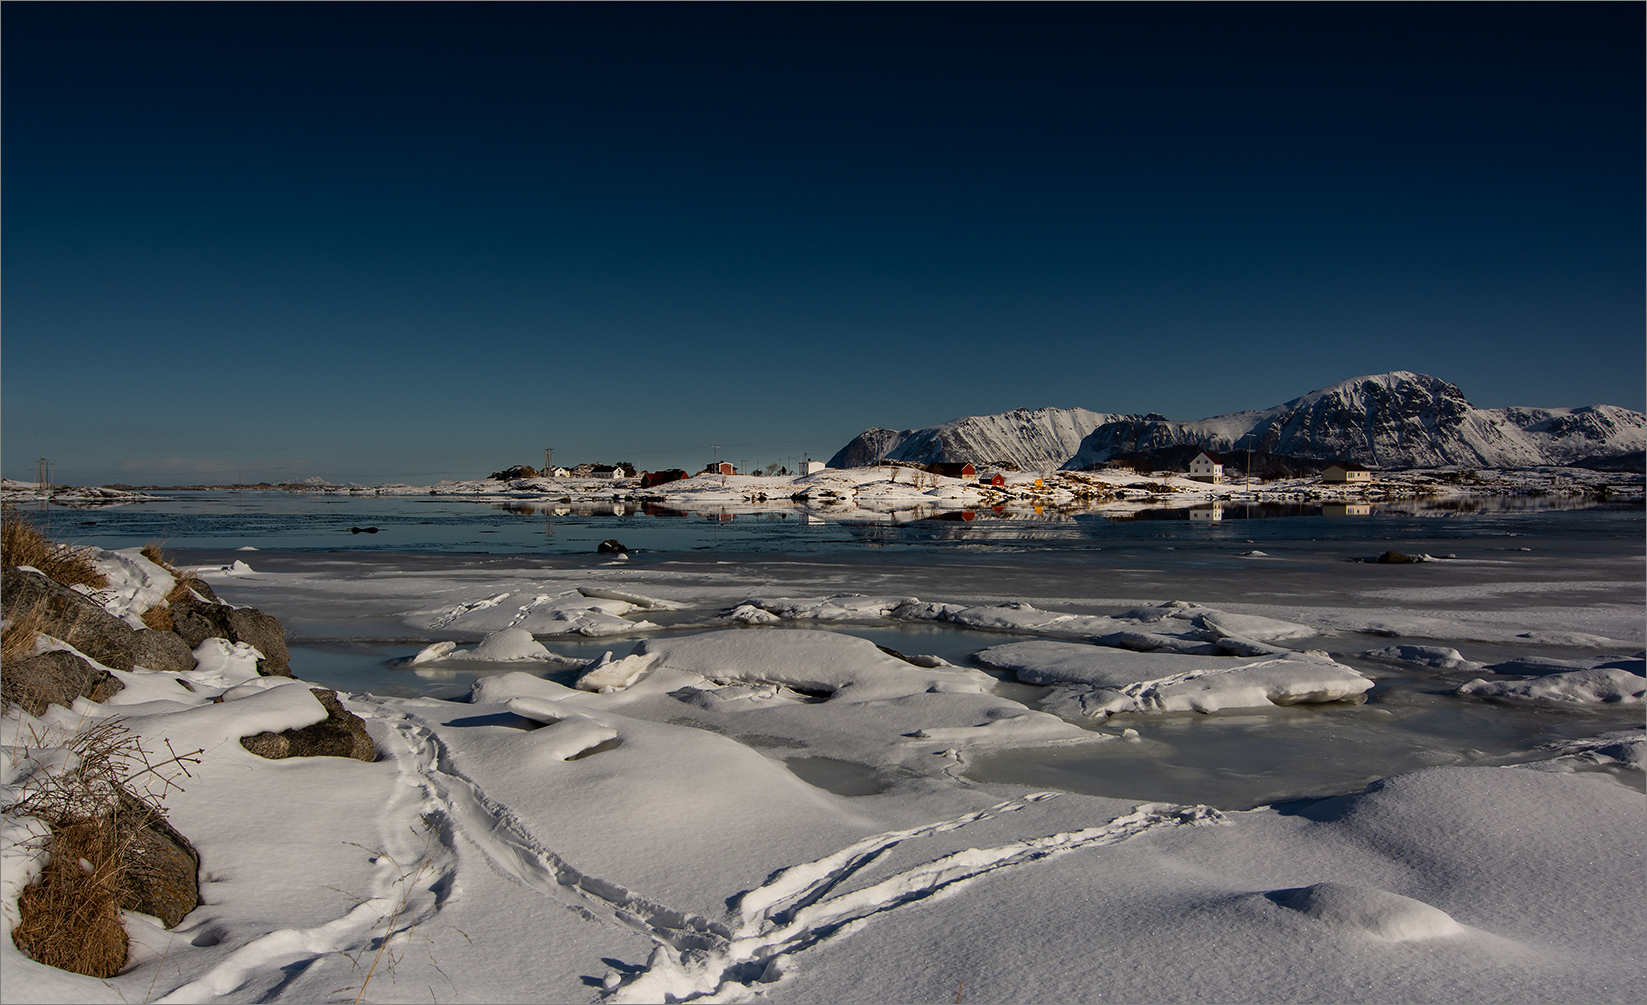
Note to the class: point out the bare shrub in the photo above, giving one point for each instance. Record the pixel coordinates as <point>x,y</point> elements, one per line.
<point>70,916</point>
<point>21,543</point>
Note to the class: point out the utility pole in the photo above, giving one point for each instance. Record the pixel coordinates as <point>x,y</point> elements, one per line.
<point>548,460</point>
<point>716,447</point>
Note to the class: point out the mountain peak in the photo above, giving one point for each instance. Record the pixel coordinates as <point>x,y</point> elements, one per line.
<point>1398,419</point>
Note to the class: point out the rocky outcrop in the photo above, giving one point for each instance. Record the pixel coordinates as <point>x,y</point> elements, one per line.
<point>340,734</point>
<point>164,652</point>
<point>195,622</point>
<point>162,869</point>
<point>68,615</point>
<point>54,678</point>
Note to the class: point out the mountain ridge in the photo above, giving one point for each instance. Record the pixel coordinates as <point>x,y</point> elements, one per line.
<point>1398,419</point>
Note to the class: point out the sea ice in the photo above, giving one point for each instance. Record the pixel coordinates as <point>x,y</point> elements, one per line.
<point>1107,681</point>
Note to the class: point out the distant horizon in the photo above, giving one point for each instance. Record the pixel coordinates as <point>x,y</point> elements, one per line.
<point>411,242</point>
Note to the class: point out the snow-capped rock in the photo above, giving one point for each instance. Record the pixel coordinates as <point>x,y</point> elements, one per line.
<point>1392,420</point>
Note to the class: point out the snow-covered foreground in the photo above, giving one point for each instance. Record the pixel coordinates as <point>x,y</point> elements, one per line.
<point>744,801</point>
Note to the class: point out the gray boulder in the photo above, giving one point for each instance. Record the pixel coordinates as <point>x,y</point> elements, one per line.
<point>68,615</point>
<point>162,869</point>
<point>196,622</point>
<point>165,652</point>
<point>55,678</point>
<point>341,734</point>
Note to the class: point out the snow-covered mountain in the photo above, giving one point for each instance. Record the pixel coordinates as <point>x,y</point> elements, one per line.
<point>1392,420</point>
<point>1032,439</point>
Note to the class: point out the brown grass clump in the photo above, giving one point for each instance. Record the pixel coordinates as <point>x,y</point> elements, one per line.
<point>21,543</point>
<point>152,552</point>
<point>159,617</point>
<point>22,630</point>
<point>69,917</point>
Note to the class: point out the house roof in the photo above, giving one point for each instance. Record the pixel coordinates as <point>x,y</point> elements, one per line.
<point>1349,466</point>
<point>1209,455</point>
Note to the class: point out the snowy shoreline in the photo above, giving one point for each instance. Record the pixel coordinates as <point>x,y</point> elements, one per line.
<point>680,826</point>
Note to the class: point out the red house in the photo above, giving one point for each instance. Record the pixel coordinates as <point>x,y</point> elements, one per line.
<point>652,478</point>
<point>965,470</point>
<point>723,468</point>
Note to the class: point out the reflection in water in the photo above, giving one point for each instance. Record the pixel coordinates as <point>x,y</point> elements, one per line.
<point>208,520</point>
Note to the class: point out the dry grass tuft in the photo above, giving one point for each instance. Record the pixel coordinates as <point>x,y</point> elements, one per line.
<point>159,617</point>
<point>21,543</point>
<point>180,592</point>
<point>21,631</point>
<point>152,551</point>
<point>70,916</point>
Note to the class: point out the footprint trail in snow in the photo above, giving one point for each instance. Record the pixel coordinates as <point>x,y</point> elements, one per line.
<point>696,958</point>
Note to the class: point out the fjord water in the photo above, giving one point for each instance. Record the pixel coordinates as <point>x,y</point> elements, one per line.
<point>1511,556</point>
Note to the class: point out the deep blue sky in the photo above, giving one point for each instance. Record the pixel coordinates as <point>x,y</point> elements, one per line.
<point>402,242</point>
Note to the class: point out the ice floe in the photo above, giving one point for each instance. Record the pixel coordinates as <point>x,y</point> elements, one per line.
<point>1098,681</point>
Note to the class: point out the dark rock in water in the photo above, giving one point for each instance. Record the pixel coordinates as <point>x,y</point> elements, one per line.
<point>55,678</point>
<point>340,734</point>
<point>162,867</point>
<point>197,622</point>
<point>1395,558</point>
<point>611,547</point>
<point>162,651</point>
<point>68,615</point>
<point>363,530</point>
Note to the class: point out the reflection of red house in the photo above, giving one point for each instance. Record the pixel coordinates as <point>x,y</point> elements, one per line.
<point>965,470</point>
<point>652,478</point>
<point>996,479</point>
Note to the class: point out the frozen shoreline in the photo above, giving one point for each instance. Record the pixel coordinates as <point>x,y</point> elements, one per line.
<point>552,843</point>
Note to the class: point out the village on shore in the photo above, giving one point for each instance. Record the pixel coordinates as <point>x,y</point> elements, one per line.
<point>903,490</point>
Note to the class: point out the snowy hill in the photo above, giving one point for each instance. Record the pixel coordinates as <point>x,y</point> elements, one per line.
<point>1036,440</point>
<point>1392,420</point>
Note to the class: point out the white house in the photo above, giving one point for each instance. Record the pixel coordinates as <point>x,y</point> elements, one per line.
<point>1207,468</point>
<point>1346,473</point>
<point>811,467</point>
